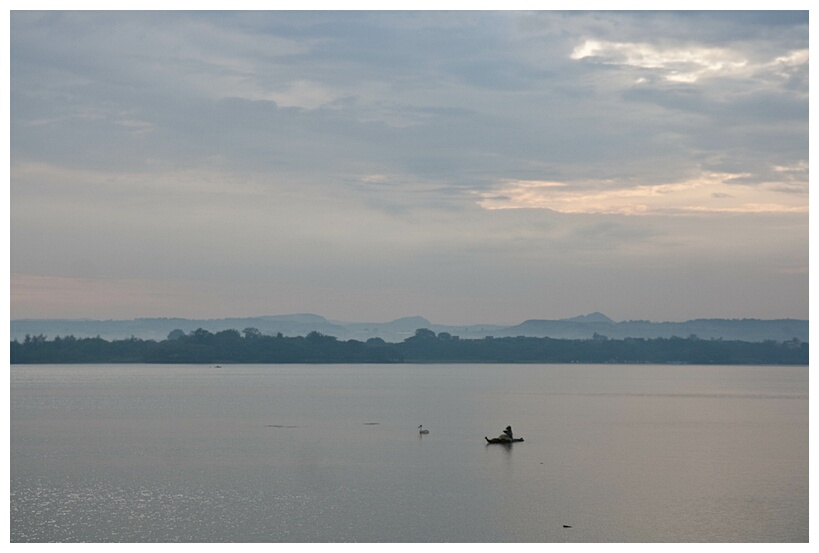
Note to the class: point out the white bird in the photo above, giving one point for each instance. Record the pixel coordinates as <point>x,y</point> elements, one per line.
<point>422,430</point>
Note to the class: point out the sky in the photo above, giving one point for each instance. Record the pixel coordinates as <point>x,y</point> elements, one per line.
<point>465,166</point>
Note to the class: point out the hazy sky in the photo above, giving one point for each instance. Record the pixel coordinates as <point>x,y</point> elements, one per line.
<point>464,166</point>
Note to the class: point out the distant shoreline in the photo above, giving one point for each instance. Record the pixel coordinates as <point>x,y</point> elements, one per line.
<point>424,347</point>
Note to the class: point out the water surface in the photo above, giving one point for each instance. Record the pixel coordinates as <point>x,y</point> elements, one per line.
<point>331,453</point>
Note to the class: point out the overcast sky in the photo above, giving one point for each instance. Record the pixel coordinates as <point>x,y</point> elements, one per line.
<point>469,167</point>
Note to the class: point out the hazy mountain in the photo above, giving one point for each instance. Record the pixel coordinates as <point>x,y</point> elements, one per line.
<point>751,330</point>
<point>581,327</point>
<point>595,317</point>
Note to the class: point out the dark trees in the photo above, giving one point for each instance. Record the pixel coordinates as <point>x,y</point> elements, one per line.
<point>250,346</point>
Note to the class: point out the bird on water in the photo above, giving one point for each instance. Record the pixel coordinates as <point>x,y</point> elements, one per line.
<point>422,430</point>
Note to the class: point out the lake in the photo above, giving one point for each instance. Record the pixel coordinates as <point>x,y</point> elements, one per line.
<point>332,453</point>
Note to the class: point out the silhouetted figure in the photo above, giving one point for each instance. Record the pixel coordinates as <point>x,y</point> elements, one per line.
<point>506,436</point>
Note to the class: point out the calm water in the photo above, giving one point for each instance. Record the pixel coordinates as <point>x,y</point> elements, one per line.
<point>331,453</point>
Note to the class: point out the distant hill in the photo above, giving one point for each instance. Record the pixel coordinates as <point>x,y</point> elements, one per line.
<point>749,330</point>
<point>159,328</point>
<point>581,327</point>
<point>595,317</point>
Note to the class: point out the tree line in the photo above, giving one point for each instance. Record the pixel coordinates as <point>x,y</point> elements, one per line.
<point>251,346</point>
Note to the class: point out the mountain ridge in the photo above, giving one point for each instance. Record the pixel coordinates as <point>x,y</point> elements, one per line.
<point>595,317</point>
<point>592,325</point>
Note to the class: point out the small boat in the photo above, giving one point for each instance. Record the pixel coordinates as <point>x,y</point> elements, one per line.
<point>502,441</point>
<point>506,438</point>
<point>422,430</point>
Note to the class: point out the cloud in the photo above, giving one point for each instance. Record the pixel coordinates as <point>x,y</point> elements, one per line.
<point>476,156</point>
<point>707,193</point>
<point>676,64</point>
<point>688,63</point>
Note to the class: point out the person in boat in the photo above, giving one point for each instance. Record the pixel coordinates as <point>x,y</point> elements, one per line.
<point>506,436</point>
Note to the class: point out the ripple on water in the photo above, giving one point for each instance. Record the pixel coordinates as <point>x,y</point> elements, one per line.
<point>45,511</point>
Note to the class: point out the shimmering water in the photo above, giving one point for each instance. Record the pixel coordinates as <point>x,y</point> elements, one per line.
<point>331,453</point>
